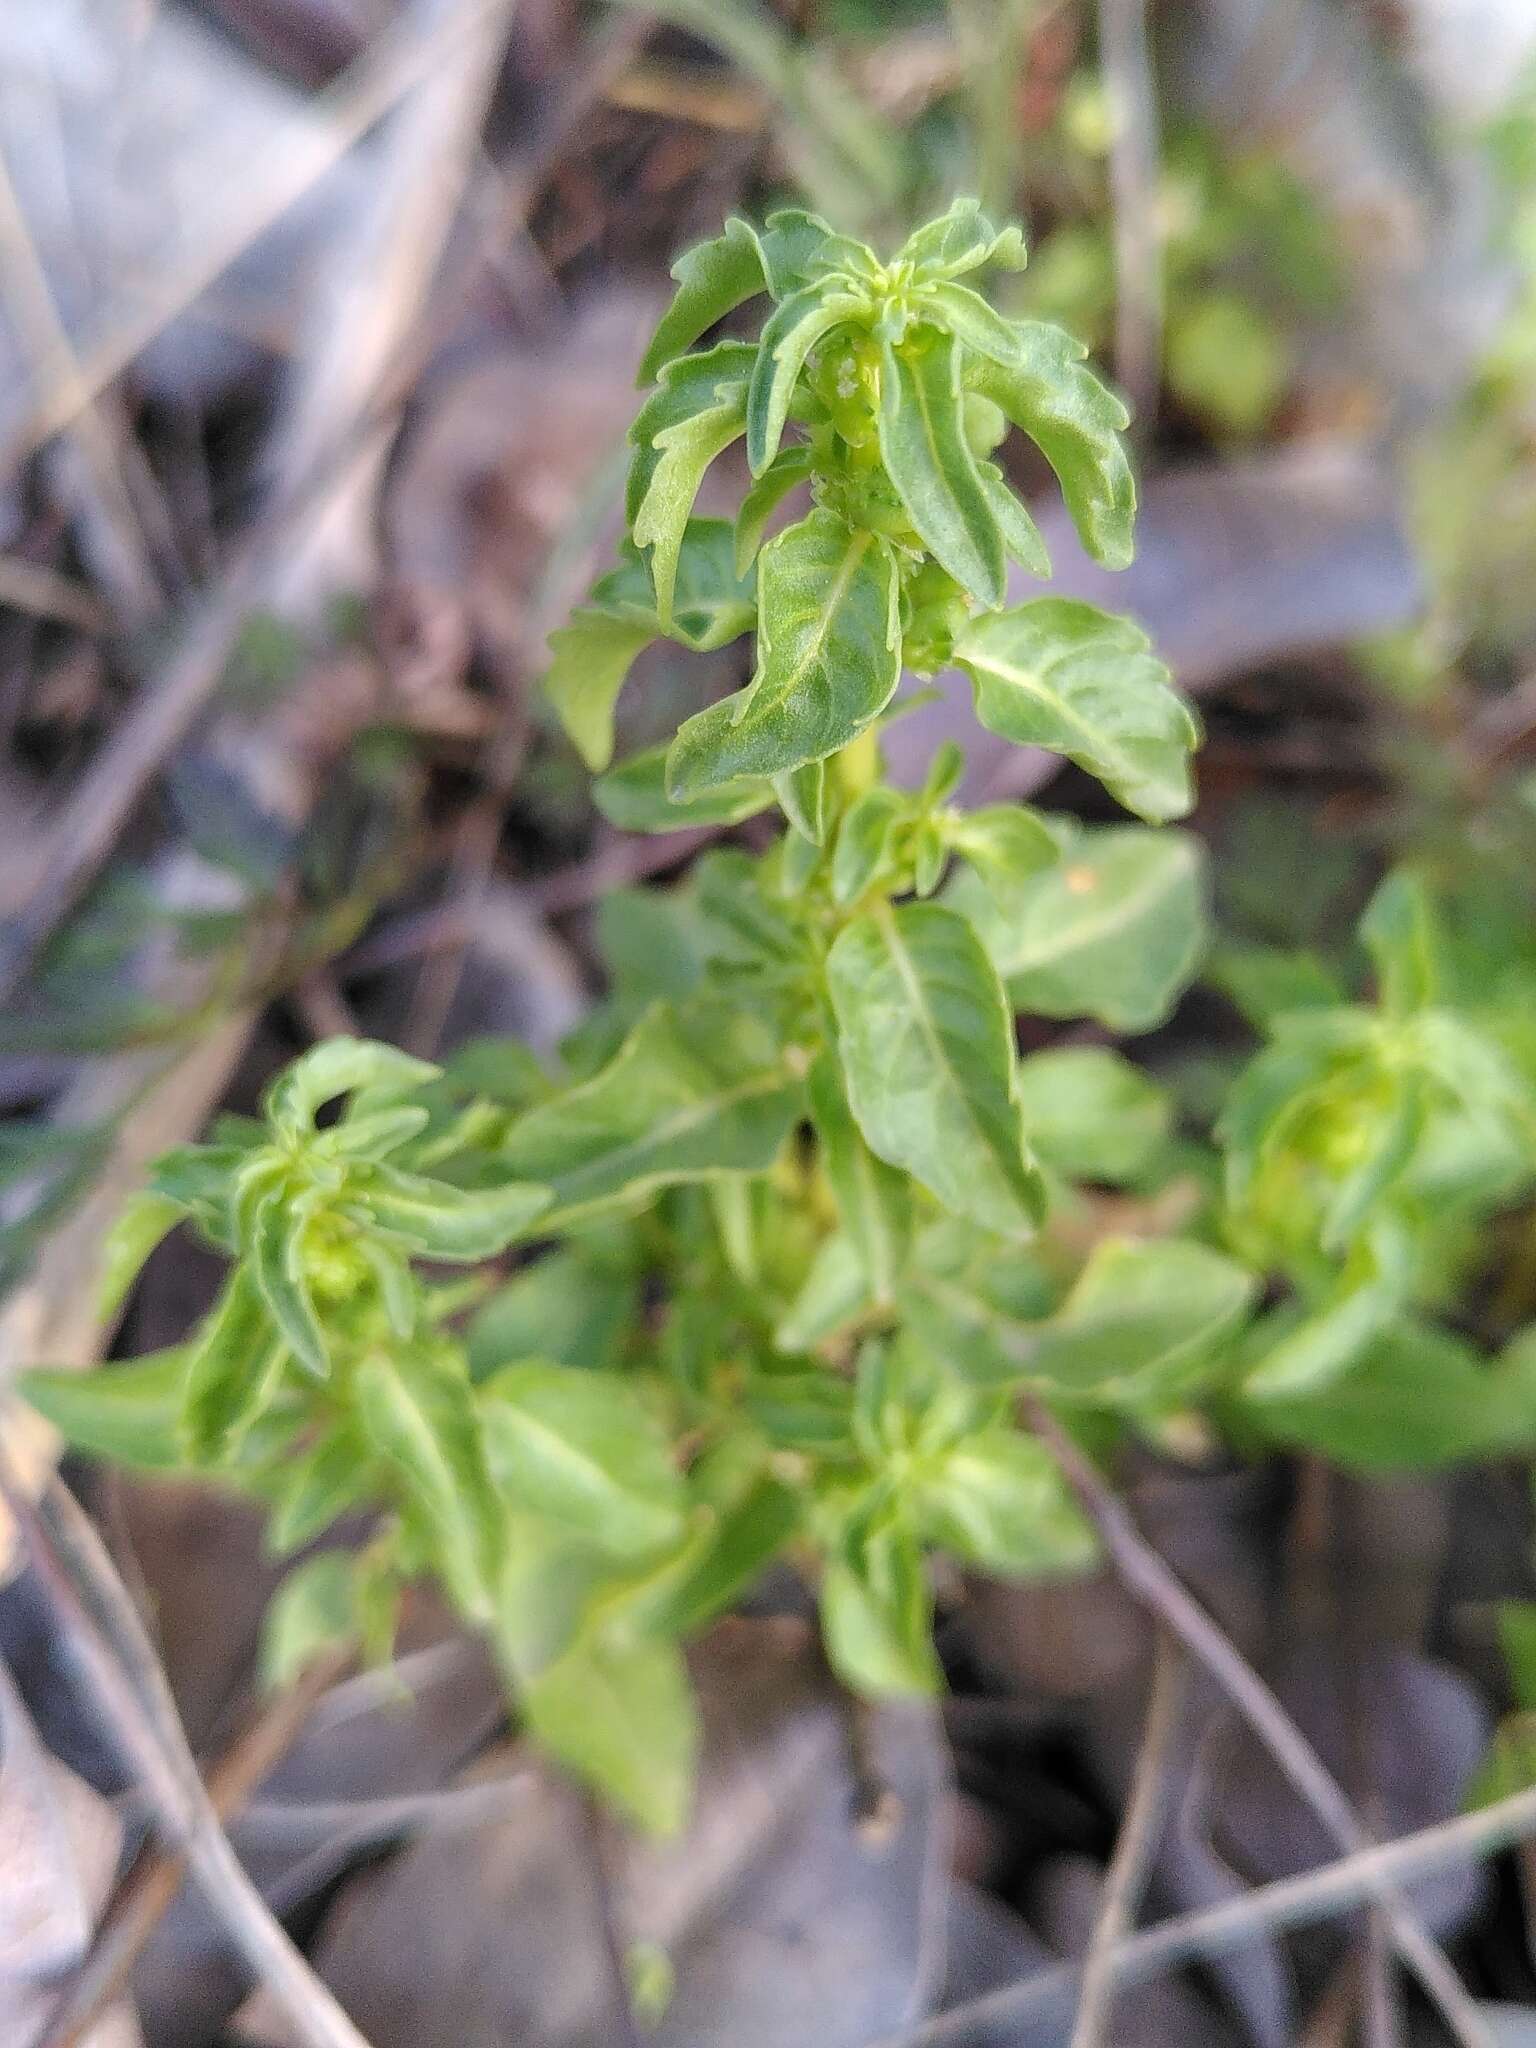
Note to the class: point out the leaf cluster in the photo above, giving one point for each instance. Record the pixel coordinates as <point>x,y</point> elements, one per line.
<point>760,1271</point>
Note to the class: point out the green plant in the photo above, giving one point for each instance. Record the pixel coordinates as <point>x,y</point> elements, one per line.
<point>802,1225</point>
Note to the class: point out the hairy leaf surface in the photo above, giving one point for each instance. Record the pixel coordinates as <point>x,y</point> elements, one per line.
<point>1060,674</point>
<point>1076,422</point>
<point>1113,931</point>
<point>693,1091</point>
<point>579,1447</point>
<point>928,458</point>
<point>926,1043</point>
<point>828,660</point>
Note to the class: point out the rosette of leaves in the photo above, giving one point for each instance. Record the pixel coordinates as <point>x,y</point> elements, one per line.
<point>795,1226</point>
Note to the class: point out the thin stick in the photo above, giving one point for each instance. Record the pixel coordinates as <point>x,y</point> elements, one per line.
<point>129,1694</point>
<point>1133,189</point>
<point>29,587</point>
<point>363,317</point>
<point>91,818</point>
<point>1133,1846</point>
<point>381,77</point>
<point>625,2028</point>
<point>151,1888</point>
<point>42,334</point>
<point>1322,1894</point>
<point>1159,1588</point>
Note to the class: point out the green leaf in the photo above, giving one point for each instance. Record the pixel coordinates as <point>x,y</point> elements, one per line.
<point>313,1609</point>
<point>746,923</point>
<point>926,1043</point>
<point>1139,1319</point>
<point>693,1091</point>
<point>338,1066</point>
<point>1419,1398</point>
<point>1399,931</point>
<point>977,1312</point>
<point>1310,1050</point>
<point>634,797</point>
<point>143,1221</point>
<point>794,243</point>
<point>713,279</point>
<point>1321,1347</point>
<point>1076,423</point>
<point>1005,843</point>
<point>590,657</point>
<point>978,326</point>
<point>201,1179</point>
<point>434,1220</point>
<point>1023,541</point>
<point>1091,1114</point>
<point>712,602</point>
<point>277,1266</point>
<point>1060,674</point>
<point>928,458</point>
<point>748,1536</point>
<point>375,1133</point>
<point>946,772</point>
<point>832,1295</point>
<point>1473,1069</point>
<point>580,1448</point>
<point>790,468</point>
<point>501,1070</point>
<point>874,1201</point>
<point>802,797</point>
<point>789,334</point>
<point>828,659</point>
<point>717,276</point>
<point>698,411</point>
<point>960,240</point>
<point>1388,1138</point>
<point>652,943</point>
<point>1113,931</point>
<point>877,1617</point>
<point>423,1423</point>
<point>1267,981</point>
<point>622,1716</point>
<point>316,1487</point>
<point>865,839</point>
<point>398,1292</point>
<point>999,1501</point>
<point>129,1413</point>
<point>689,386</point>
<point>1508,1767</point>
<point>233,1368</point>
<point>573,1306</point>
<point>1517,1642</point>
<point>930,856</point>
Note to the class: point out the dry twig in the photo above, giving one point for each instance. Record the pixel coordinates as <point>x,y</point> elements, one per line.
<point>124,1685</point>
<point>150,1889</point>
<point>1133,1846</point>
<point>394,66</point>
<point>29,587</point>
<point>1133,190</point>
<point>35,318</point>
<point>1322,1894</point>
<point>1164,1594</point>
